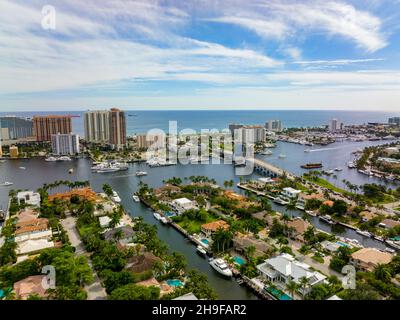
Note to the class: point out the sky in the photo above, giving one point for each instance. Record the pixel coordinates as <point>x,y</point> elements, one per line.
<point>200,54</point>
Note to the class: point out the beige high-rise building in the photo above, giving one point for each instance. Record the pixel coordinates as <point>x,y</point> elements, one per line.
<point>106,127</point>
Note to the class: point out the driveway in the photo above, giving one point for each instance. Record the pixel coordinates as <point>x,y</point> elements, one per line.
<point>94,291</point>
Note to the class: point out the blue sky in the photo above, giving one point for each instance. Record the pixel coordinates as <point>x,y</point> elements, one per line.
<point>208,54</point>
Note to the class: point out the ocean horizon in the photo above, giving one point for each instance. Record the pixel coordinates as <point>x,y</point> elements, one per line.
<point>141,121</point>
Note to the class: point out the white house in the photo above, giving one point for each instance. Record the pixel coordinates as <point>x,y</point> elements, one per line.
<point>290,193</point>
<point>29,197</point>
<point>284,268</point>
<point>183,204</point>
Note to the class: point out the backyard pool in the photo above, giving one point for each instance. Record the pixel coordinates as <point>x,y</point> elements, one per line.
<point>278,294</point>
<point>205,241</point>
<point>169,214</point>
<point>342,244</point>
<point>240,261</point>
<point>174,282</point>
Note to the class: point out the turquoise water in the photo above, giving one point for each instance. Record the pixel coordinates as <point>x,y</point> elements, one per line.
<point>240,261</point>
<point>279,294</point>
<point>205,241</point>
<point>169,214</point>
<point>395,238</point>
<point>174,282</point>
<point>342,244</point>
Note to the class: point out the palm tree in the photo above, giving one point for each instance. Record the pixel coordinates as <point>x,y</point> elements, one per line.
<point>292,287</point>
<point>382,272</point>
<point>303,282</point>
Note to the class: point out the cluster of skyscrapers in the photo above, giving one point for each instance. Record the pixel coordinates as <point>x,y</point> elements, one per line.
<point>106,127</point>
<point>254,133</point>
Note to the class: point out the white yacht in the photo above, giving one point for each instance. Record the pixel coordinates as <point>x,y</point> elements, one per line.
<point>364,233</point>
<point>164,220</point>
<point>115,197</point>
<point>220,266</point>
<point>307,150</point>
<point>157,215</point>
<point>281,201</point>
<point>266,153</point>
<point>141,173</point>
<point>64,158</point>
<point>327,219</point>
<point>201,251</point>
<point>338,169</point>
<point>51,159</point>
<point>22,168</point>
<point>281,156</point>
<point>135,198</point>
<point>7,183</point>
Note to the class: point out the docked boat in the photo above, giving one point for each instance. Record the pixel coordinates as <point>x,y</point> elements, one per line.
<point>364,233</point>
<point>393,244</point>
<point>338,169</point>
<point>220,266</point>
<point>6,184</point>
<point>201,251</point>
<point>135,198</point>
<point>390,250</point>
<point>328,219</point>
<point>64,158</point>
<point>141,173</point>
<point>157,215</point>
<point>2,216</point>
<point>311,166</point>
<point>51,159</point>
<point>164,220</point>
<point>267,153</point>
<point>280,201</point>
<point>328,172</point>
<point>351,165</point>
<point>379,238</point>
<point>115,197</point>
<point>311,213</point>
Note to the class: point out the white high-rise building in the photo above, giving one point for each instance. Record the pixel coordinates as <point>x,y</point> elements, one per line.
<point>274,125</point>
<point>250,134</point>
<point>65,144</point>
<point>335,125</point>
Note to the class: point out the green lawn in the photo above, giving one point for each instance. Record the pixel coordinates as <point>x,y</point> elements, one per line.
<point>193,226</point>
<point>326,184</point>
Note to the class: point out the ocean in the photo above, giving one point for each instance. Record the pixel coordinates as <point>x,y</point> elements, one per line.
<point>141,121</point>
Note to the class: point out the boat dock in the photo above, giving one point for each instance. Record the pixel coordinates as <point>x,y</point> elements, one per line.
<point>257,290</point>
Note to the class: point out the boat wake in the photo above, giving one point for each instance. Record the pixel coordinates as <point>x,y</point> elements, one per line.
<point>324,149</point>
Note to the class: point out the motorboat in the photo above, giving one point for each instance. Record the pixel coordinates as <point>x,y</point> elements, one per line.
<point>64,158</point>
<point>6,184</point>
<point>307,150</point>
<point>51,159</point>
<point>201,251</point>
<point>389,250</point>
<point>393,244</point>
<point>157,215</point>
<point>135,198</point>
<point>266,153</point>
<point>141,173</point>
<point>311,166</point>
<point>220,266</point>
<point>22,168</point>
<point>115,197</point>
<point>164,220</point>
<point>2,161</point>
<point>281,201</point>
<point>364,233</point>
<point>311,213</point>
<point>108,169</point>
<point>281,156</point>
<point>351,165</point>
<point>338,169</point>
<point>327,219</point>
<point>70,171</point>
<point>2,216</point>
<point>328,172</point>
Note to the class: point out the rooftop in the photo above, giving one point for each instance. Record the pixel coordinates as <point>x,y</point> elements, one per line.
<point>372,256</point>
<point>215,225</point>
<point>29,286</point>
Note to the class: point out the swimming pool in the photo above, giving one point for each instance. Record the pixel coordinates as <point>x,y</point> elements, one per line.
<point>240,261</point>
<point>205,241</point>
<point>342,244</point>
<point>174,282</point>
<point>169,214</point>
<point>278,294</point>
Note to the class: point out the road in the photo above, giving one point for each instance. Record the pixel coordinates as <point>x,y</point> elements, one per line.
<point>94,291</point>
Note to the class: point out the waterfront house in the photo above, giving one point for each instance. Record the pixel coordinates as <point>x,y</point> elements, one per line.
<point>303,198</point>
<point>33,246</point>
<point>142,263</point>
<point>284,268</point>
<point>266,216</point>
<point>242,242</point>
<point>367,216</point>
<point>27,214</point>
<point>296,228</point>
<point>290,193</point>
<point>123,234</point>
<point>367,259</point>
<point>29,286</point>
<point>187,296</point>
<point>210,228</point>
<point>82,193</point>
<point>29,227</point>
<point>183,204</point>
<point>389,223</point>
<point>332,247</point>
<point>29,198</point>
